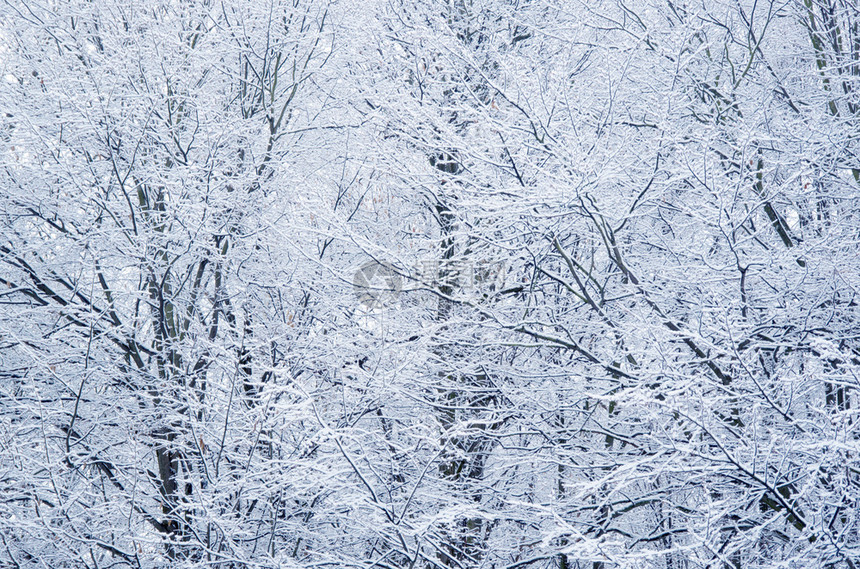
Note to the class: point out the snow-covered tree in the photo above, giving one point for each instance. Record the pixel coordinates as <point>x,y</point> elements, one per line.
<point>464,284</point>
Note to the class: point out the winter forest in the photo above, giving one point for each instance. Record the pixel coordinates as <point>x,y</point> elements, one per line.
<point>430,284</point>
